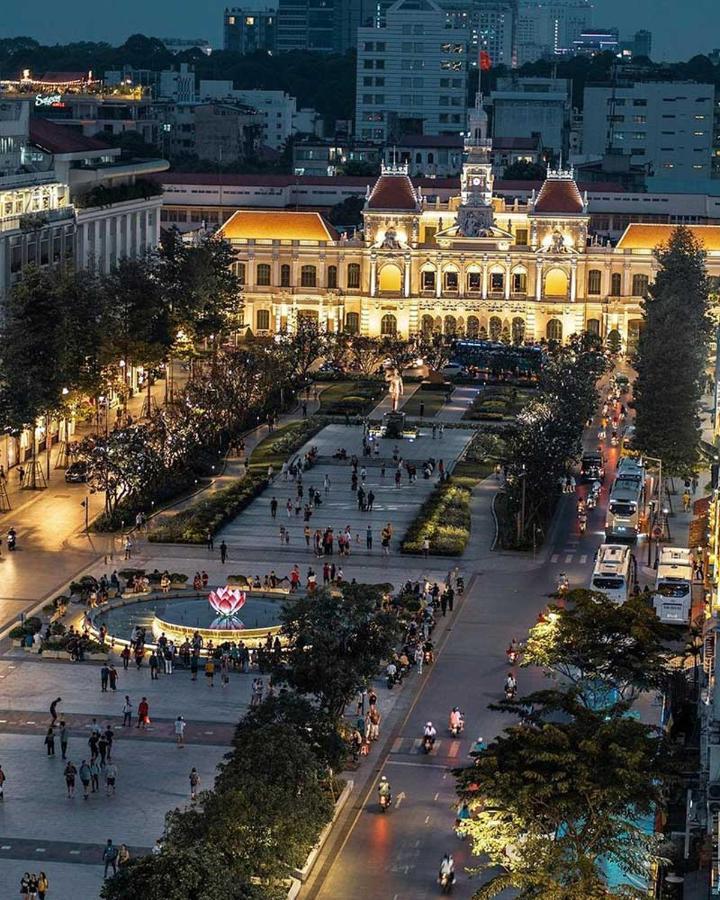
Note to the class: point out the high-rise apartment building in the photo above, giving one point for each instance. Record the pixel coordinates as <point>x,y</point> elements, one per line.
<point>665,126</point>
<point>411,74</point>
<point>548,28</point>
<point>523,107</point>
<point>490,25</point>
<point>247,29</point>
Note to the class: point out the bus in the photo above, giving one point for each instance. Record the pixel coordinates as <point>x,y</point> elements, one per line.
<point>672,599</point>
<point>626,504</point>
<point>613,572</point>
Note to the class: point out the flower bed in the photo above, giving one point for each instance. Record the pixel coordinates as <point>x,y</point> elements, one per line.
<point>192,525</point>
<point>281,444</point>
<point>444,518</point>
<point>351,397</point>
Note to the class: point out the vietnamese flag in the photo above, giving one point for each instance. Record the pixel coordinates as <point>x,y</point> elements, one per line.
<point>485,61</point>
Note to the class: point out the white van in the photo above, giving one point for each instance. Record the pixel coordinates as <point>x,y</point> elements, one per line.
<point>613,572</point>
<point>673,588</point>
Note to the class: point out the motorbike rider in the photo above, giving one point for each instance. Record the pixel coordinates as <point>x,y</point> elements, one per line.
<point>429,732</point>
<point>447,867</point>
<point>384,789</point>
<point>456,720</point>
<point>582,522</point>
<point>563,582</point>
<point>391,671</point>
<point>510,685</point>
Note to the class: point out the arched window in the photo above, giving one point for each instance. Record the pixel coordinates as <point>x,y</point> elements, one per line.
<point>427,280</point>
<point>592,326</point>
<point>640,285</point>
<point>352,323</point>
<point>450,325</point>
<point>519,283</point>
<point>518,330</point>
<point>616,285</point>
<point>418,158</point>
<point>473,326</point>
<point>554,331</point>
<point>262,319</point>
<point>594,281</point>
<point>353,275</point>
<point>308,276</point>
<point>474,282</point>
<point>452,280</point>
<point>426,325</point>
<point>431,159</point>
<point>332,276</point>
<point>495,328</point>
<point>390,279</point>
<point>238,270</point>
<point>497,282</point>
<point>388,324</point>
<point>285,276</point>
<point>263,274</point>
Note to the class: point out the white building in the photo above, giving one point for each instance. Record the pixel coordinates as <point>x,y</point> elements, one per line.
<point>523,107</point>
<point>490,26</point>
<point>547,28</point>
<point>411,74</point>
<point>276,109</point>
<point>177,84</point>
<point>666,126</point>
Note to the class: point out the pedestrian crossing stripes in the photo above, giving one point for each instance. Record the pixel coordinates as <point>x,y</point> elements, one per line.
<point>569,557</point>
<point>447,749</point>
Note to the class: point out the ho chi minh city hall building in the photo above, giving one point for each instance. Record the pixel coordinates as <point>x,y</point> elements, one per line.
<point>475,265</point>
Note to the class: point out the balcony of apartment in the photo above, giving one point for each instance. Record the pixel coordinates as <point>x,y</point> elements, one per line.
<point>26,180</point>
<point>34,221</point>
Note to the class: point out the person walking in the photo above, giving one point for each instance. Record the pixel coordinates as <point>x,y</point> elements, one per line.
<point>223,552</point>
<point>111,771</point>
<point>209,540</point>
<point>210,671</point>
<point>70,773</point>
<point>42,886</point>
<point>85,777</point>
<point>180,732</point>
<point>63,739</point>
<point>125,655</point>
<point>109,857</point>
<point>369,537</point>
<point>194,666</point>
<point>194,783</point>
<point>426,546</point>
<point>113,677</point>
<point>143,714</point>
<point>154,676</point>
<point>94,776</point>
<point>128,548</point>
<point>50,741</point>
<point>273,507</point>
<point>444,603</point>
<point>104,678</point>
<point>450,598</point>
<point>2,785</point>
<point>374,717</point>
<point>53,709</point>
<point>127,712</point>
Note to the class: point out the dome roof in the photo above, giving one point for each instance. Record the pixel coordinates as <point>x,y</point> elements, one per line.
<point>394,191</point>
<point>559,195</point>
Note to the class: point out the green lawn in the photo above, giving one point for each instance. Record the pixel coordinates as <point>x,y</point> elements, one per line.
<point>282,443</point>
<point>433,400</point>
<point>498,402</point>
<point>356,398</point>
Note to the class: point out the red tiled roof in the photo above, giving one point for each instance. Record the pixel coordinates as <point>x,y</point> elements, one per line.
<point>61,139</point>
<point>559,195</point>
<point>394,192</point>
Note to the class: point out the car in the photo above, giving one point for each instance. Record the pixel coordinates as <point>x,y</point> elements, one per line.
<point>76,473</point>
<point>591,467</point>
<point>452,369</point>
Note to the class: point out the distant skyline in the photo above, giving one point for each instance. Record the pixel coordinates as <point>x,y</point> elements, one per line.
<point>680,29</point>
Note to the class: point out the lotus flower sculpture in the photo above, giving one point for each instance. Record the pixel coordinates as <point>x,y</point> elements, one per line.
<point>226,602</point>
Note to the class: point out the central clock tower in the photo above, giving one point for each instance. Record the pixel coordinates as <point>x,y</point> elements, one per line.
<point>476,182</point>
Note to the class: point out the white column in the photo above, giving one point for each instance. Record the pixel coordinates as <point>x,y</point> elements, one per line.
<point>484,282</point>
<point>538,279</point>
<point>438,282</point>
<point>507,283</point>
<point>373,277</point>
<point>573,282</point>
<point>406,279</point>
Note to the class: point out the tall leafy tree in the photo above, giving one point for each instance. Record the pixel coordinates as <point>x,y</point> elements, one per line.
<point>554,800</point>
<point>675,334</point>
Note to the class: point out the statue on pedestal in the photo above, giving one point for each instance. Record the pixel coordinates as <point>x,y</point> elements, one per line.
<point>395,386</point>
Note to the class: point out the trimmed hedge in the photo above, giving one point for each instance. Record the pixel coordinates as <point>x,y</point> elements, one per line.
<point>281,444</point>
<point>190,526</point>
<point>444,518</point>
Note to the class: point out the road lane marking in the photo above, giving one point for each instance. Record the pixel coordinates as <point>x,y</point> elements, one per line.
<point>568,558</point>
<point>454,748</point>
<point>555,557</point>
<point>402,762</point>
<point>397,744</point>
<point>436,795</point>
<point>583,559</point>
<point>427,819</point>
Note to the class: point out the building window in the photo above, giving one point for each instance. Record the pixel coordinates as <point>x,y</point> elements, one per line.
<point>497,282</point>
<point>352,323</point>
<point>388,324</point>
<point>593,326</point>
<point>428,280</point>
<point>495,328</point>
<point>473,326</point>
<point>263,274</point>
<point>518,330</point>
<point>426,325</point>
<point>262,319</point>
<point>554,331</point>
<point>474,282</point>
<point>308,276</point>
<point>332,277</point>
<point>450,325</point>
<point>521,237</point>
<point>519,283</point>
<point>451,281</point>
<point>238,270</point>
<point>616,285</point>
<point>285,276</point>
<point>353,275</point>
<point>640,285</point>
<point>594,280</point>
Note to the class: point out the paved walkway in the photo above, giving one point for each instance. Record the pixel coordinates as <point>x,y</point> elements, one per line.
<point>460,401</point>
